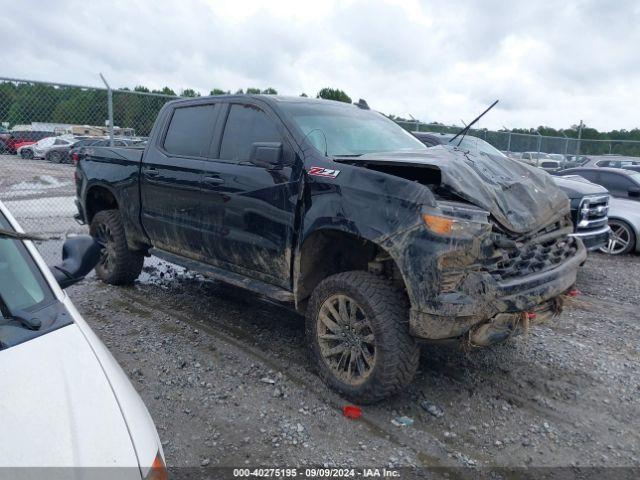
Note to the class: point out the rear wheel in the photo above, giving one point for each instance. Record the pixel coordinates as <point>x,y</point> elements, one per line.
<point>118,265</point>
<point>358,335</point>
<point>622,239</point>
<point>55,157</point>
<point>26,153</point>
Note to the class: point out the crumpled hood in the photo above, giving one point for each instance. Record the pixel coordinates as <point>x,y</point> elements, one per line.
<point>58,409</point>
<point>520,197</point>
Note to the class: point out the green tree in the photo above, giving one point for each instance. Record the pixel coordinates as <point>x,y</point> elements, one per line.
<point>303,94</point>
<point>253,91</point>
<point>270,91</point>
<point>334,94</point>
<point>217,91</point>
<point>189,92</point>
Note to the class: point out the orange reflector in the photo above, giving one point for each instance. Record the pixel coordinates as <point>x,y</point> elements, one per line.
<point>158,470</point>
<point>437,224</point>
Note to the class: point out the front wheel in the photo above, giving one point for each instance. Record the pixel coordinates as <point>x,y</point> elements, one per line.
<point>622,239</point>
<point>358,335</point>
<point>26,153</point>
<point>118,265</point>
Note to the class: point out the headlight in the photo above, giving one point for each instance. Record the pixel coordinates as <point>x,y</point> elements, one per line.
<point>456,219</point>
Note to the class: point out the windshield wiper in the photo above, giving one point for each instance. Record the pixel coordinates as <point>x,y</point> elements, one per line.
<point>24,320</point>
<point>13,235</point>
<point>466,129</point>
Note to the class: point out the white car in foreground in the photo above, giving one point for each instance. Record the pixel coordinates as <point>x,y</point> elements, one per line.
<point>64,401</point>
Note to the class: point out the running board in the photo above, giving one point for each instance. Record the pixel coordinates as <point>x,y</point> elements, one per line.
<point>257,286</point>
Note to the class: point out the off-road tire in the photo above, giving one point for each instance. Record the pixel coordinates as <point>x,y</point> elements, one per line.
<point>385,308</point>
<point>123,265</point>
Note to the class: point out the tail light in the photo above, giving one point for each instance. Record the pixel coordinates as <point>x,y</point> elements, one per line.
<point>74,158</point>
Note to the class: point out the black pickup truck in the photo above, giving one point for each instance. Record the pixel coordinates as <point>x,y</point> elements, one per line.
<point>339,212</point>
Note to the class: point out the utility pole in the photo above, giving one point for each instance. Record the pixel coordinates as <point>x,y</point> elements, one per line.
<point>579,138</point>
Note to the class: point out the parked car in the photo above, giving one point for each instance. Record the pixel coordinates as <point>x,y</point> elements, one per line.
<point>589,210</point>
<point>19,138</point>
<point>624,220</point>
<point>41,147</point>
<point>78,148</point>
<point>611,161</point>
<point>65,401</point>
<point>575,161</point>
<point>620,182</point>
<point>589,202</point>
<point>635,168</point>
<point>60,153</point>
<point>340,212</point>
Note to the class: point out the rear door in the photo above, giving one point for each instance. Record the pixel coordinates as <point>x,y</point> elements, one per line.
<point>249,210</point>
<point>171,176</point>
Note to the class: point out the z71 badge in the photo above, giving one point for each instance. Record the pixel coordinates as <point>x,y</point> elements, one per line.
<point>323,172</point>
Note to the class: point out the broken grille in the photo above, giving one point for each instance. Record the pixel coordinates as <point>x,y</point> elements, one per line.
<point>538,254</point>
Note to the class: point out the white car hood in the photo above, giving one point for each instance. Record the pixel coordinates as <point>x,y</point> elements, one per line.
<point>58,407</point>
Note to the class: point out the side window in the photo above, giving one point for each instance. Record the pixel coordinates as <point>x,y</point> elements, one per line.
<point>611,181</point>
<point>190,131</point>
<point>246,125</point>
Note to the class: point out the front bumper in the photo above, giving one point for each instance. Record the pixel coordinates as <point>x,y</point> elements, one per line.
<point>594,239</point>
<point>453,314</point>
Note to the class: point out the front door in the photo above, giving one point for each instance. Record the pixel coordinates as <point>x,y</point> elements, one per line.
<point>250,209</point>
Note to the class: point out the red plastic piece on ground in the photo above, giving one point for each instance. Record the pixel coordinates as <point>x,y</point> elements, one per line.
<point>574,292</point>
<point>351,411</point>
<point>531,315</point>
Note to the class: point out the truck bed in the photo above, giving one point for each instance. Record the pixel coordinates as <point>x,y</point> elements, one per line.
<point>127,154</point>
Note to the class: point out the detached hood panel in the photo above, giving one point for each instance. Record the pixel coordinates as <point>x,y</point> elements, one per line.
<point>520,197</point>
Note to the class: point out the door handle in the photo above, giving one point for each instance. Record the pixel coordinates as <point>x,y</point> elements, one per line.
<point>152,172</point>
<point>213,180</point>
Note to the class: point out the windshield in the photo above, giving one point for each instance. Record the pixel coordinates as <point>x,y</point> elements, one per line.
<point>348,130</point>
<point>22,286</point>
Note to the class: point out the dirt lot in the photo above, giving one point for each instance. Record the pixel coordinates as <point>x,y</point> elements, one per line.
<point>226,379</point>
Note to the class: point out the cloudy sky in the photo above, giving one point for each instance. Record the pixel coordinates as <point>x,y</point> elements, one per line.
<point>549,62</point>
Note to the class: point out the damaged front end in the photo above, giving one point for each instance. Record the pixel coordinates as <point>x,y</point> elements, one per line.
<point>484,283</point>
<point>483,269</point>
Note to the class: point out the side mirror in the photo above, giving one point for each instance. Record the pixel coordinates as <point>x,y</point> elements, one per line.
<point>266,155</point>
<point>634,192</point>
<point>79,256</point>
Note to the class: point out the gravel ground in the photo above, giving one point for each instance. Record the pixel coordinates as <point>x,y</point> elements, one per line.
<point>225,376</point>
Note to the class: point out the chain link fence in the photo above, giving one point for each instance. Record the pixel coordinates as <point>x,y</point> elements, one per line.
<point>42,123</point>
<point>513,142</point>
